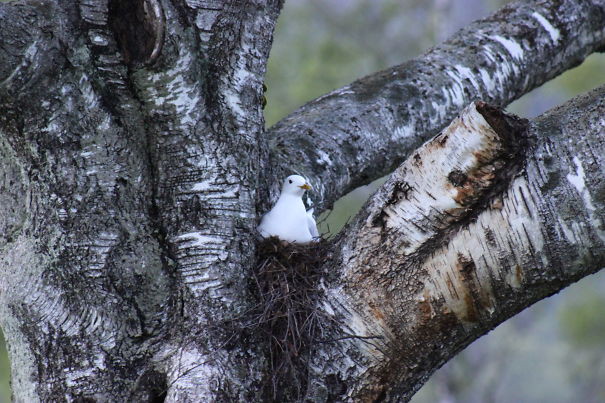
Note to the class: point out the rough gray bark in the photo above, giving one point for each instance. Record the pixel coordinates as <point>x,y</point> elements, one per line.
<point>442,254</point>
<point>140,195</point>
<point>364,130</point>
<point>133,166</point>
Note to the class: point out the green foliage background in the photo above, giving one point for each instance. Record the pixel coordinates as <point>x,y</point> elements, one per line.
<point>4,372</point>
<point>554,351</point>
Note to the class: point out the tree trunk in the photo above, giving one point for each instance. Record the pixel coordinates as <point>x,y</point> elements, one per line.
<point>134,166</point>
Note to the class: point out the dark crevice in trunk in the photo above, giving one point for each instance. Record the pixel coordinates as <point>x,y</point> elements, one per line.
<point>151,387</point>
<point>138,26</point>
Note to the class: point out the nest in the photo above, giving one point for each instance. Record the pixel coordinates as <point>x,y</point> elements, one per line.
<point>286,282</point>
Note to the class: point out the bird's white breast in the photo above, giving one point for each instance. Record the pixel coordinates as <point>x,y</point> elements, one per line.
<point>287,220</point>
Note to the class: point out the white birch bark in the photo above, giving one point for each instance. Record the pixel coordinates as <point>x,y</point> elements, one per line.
<point>134,166</point>
<point>445,253</point>
<point>364,130</point>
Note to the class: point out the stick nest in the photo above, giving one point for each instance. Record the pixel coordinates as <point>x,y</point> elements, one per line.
<point>286,281</point>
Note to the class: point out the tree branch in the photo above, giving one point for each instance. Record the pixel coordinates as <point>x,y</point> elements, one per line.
<point>469,231</point>
<point>364,130</point>
<point>131,146</point>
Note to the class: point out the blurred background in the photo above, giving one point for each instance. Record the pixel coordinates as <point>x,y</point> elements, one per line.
<point>551,352</point>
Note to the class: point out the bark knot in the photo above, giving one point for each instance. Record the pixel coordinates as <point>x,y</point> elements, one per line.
<point>138,26</point>
<point>457,178</point>
<point>477,300</point>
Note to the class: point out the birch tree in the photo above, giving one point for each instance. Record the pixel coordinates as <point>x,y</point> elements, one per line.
<point>134,167</point>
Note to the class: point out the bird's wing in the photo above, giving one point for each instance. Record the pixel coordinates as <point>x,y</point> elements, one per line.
<point>311,224</point>
<point>263,230</point>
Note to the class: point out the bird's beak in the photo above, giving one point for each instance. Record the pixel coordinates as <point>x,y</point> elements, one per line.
<point>306,186</point>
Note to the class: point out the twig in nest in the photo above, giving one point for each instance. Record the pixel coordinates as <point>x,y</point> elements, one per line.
<point>286,281</point>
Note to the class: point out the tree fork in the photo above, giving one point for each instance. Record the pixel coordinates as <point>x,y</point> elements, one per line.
<point>132,171</point>
<point>370,126</point>
<point>430,264</point>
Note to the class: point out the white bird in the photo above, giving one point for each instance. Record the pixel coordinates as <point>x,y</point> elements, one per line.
<point>288,219</point>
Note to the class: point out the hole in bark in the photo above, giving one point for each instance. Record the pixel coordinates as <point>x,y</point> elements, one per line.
<point>457,178</point>
<point>151,387</point>
<point>138,26</point>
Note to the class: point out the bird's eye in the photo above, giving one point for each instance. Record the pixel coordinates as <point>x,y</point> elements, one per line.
<point>290,180</point>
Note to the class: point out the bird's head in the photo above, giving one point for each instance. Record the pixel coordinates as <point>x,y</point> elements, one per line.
<point>296,185</point>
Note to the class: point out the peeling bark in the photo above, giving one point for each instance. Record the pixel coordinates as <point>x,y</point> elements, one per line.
<point>133,166</point>
<point>432,263</point>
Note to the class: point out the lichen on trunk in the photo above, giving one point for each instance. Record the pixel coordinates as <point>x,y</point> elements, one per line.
<point>134,166</point>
